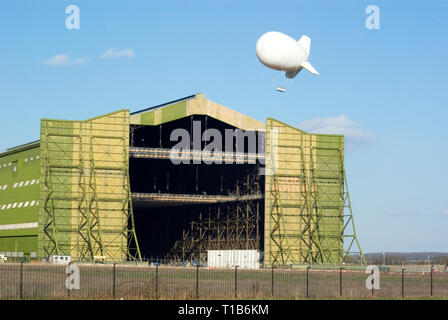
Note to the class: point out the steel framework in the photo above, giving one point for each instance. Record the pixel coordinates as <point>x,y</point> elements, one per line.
<point>224,157</point>
<point>221,227</point>
<point>233,222</point>
<point>308,207</point>
<point>167,199</point>
<point>85,208</point>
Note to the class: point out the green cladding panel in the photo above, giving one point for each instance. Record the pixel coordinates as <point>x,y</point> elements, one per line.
<point>329,196</point>
<point>19,201</point>
<point>174,112</point>
<point>305,198</point>
<point>85,205</point>
<point>161,115</point>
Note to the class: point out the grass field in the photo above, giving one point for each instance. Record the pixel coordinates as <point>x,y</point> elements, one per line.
<point>45,281</point>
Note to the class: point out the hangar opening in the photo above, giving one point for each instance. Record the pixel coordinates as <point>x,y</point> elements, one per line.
<point>197,185</point>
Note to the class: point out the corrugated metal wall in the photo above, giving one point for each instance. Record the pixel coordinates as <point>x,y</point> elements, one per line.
<point>85,192</point>
<point>329,206</point>
<point>304,196</point>
<point>19,201</point>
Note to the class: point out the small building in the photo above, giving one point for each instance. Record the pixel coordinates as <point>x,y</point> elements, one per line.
<point>246,259</point>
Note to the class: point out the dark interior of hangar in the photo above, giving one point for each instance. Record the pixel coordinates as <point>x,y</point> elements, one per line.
<point>183,209</point>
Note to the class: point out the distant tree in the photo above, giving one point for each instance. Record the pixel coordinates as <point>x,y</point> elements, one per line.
<point>440,259</point>
<point>394,259</point>
<point>353,259</point>
<point>375,260</point>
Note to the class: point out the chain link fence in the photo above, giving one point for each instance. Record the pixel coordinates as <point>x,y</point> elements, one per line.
<point>118,281</point>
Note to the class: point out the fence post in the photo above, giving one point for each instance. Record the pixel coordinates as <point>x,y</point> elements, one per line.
<point>307,281</point>
<point>432,268</point>
<point>402,282</point>
<point>272,281</point>
<point>114,281</point>
<point>21,280</point>
<point>340,281</point>
<point>68,289</point>
<point>157,281</point>
<point>236,282</point>
<point>197,282</point>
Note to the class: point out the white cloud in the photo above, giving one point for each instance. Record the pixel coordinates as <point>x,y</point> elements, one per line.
<point>79,60</point>
<point>57,60</point>
<point>60,60</point>
<point>112,53</point>
<point>352,131</point>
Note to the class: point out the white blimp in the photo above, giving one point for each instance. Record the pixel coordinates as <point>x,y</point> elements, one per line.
<point>279,51</point>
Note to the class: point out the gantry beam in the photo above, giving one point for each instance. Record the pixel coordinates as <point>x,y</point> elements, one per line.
<point>216,156</point>
<point>167,199</point>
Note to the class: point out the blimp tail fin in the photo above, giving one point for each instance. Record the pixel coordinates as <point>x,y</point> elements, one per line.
<point>305,43</point>
<point>309,67</point>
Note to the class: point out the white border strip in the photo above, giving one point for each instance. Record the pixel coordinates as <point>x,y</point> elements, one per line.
<point>28,225</point>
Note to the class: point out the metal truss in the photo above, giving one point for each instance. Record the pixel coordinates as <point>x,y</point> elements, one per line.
<point>86,208</point>
<point>309,214</point>
<point>233,226</point>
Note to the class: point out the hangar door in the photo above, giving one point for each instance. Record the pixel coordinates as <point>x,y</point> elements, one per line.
<point>304,196</point>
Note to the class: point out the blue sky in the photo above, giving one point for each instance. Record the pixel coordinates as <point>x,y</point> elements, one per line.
<point>385,89</point>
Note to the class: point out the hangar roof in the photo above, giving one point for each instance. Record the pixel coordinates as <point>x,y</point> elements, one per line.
<point>194,105</point>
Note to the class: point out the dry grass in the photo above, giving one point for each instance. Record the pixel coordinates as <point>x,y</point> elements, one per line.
<point>140,282</point>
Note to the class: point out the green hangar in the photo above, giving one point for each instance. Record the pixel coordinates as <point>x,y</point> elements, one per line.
<point>174,181</point>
